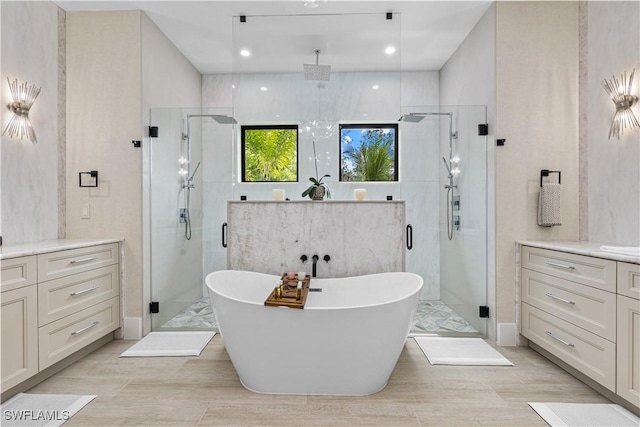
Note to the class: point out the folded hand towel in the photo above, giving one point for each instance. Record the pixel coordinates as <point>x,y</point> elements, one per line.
<point>549,212</point>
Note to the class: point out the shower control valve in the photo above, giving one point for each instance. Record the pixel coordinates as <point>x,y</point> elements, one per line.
<point>303,258</point>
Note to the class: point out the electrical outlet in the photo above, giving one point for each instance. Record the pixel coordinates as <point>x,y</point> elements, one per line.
<point>85,211</point>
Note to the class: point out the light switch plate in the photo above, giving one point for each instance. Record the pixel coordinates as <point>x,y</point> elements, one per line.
<point>85,211</point>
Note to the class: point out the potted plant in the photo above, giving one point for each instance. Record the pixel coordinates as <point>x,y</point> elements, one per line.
<point>317,189</point>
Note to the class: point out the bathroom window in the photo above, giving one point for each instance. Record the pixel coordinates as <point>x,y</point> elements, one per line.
<point>269,153</point>
<point>369,152</point>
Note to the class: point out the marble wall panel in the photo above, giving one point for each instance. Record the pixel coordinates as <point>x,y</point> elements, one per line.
<point>360,237</point>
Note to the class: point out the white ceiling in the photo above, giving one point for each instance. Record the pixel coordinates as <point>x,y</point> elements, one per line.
<point>283,35</point>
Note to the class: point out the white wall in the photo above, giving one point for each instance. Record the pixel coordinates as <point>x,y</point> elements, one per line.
<point>537,114</point>
<point>610,167</point>
<point>468,78</point>
<point>30,172</point>
<point>118,66</point>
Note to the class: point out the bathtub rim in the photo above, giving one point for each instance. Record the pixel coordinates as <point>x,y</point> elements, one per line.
<point>350,307</point>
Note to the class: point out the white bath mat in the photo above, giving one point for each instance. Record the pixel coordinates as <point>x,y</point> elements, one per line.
<point>183,343</point>
<point>51,410</point>
<point>460,351</point>
<point>585,414</point>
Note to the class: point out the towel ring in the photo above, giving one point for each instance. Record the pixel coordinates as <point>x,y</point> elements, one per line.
<point>546,172</point>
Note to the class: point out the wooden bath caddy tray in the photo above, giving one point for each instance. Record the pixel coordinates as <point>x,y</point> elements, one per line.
<point>288,298</point>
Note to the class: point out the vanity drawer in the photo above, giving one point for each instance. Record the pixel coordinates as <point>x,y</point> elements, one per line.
<point>629,279</point>
<point>597,272</point>
<point>64,263</point>
<point>61,297</point>
<point>63,337</point>
<point>590,308</point>
<point>17,272</point>
<point>590,354</point>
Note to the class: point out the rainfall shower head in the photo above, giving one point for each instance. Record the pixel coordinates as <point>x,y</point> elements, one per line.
<point>411,117</point>
<point>223,120</point>
<point>417,117</point>
<point>317,71</point>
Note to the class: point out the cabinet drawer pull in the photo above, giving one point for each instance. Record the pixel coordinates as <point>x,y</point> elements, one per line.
<point>80,261</point>
<point>84,291</point>
<point>566,301</point>
<point>555,264</point>
<point>86,328</point>
<point>568,344</point>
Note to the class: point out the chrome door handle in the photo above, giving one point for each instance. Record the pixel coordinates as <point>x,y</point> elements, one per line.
<point>80,261</point>
<point>86,328</point>
<point>555,264</point>
<point>566,301</point>
<point>84,291</point>
<point>567,343</point>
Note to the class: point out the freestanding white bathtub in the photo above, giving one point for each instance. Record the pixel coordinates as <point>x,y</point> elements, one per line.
<point>346,340</point>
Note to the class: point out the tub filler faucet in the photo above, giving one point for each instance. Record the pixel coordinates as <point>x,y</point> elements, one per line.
<point>315,259</point>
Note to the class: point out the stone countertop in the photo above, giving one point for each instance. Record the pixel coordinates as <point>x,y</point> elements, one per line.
<point>581,248</point>
<point>45,246</point>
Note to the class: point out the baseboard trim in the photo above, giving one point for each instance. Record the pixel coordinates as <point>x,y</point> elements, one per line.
<point>507,335</point>
<point>132,328</point>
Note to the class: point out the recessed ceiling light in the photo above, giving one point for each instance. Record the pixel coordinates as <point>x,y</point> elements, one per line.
<point>374,87</point>
<point>390,50</point>
<point>245,52</point>
<point>263,88</point>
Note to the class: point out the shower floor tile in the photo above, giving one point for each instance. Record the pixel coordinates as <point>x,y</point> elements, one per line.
<point>198,315</point>
<point>437,317</point>
<point>432,317</point>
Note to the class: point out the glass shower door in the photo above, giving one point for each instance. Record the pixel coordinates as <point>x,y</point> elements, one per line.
<point>454,271</point>
<point>189,187</point>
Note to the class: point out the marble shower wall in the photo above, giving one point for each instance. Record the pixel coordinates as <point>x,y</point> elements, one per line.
<point>347,98</point>
<point>360,237</point>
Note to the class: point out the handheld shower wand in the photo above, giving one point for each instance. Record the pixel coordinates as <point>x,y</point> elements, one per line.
<point>447,166</point>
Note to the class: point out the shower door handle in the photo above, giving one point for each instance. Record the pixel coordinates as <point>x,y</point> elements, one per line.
<point>409,237</point>
<point>224,234</point>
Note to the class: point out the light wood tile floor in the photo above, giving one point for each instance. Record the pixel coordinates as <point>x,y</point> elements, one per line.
<point>205,391</point>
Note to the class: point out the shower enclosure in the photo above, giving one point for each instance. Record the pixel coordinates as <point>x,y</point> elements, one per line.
<point>186,169</point>
<point>445,186</point>
<point>454,269</point>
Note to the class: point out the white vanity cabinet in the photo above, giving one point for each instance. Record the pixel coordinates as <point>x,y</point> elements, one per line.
<point>19,321</point>
<point>569,309</point>
<point>55,303</point>
<point>628,357</point>
<point>585,310</point>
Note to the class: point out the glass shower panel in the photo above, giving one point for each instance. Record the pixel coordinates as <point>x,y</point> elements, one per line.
<point>454,271</point>
<point>189,186</point>
<point>463,259</point>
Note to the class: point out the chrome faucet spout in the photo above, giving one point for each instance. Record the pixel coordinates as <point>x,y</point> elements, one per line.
<point>315,261</point>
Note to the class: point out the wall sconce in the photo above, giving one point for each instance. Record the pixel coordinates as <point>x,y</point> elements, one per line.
<point>23,98</point>
<point>620,93</point>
